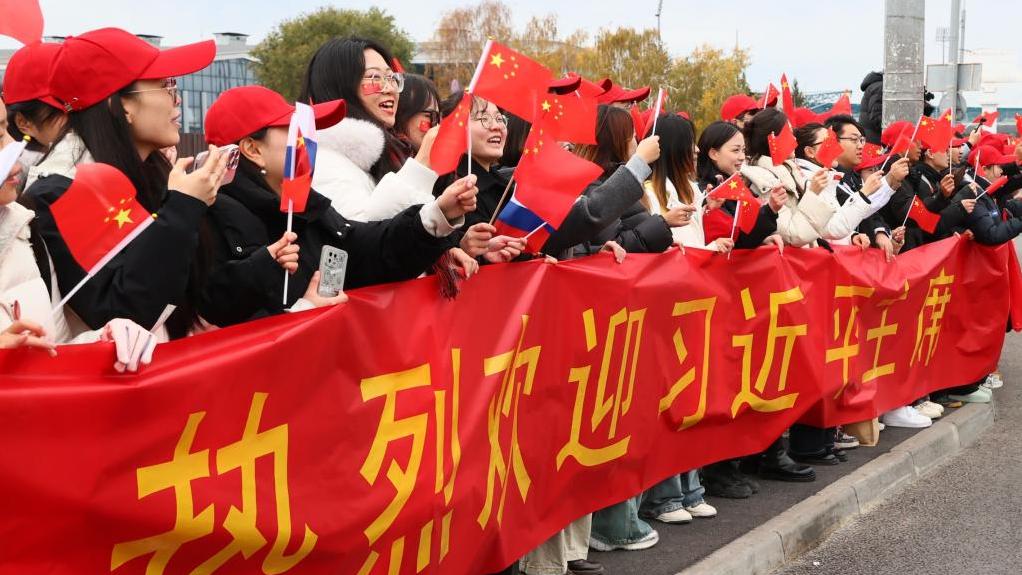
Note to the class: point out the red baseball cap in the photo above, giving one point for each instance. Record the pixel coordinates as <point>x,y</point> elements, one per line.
<point>804,116</point>
<point>240,112</point>
<point>565,85</point>
<point>590,88</point>
<point>615,93</point>
<point>989,156</point>
<point>891,134</point>
<point>95,65</point>
<point>737,105</point>
<point>28,74</point>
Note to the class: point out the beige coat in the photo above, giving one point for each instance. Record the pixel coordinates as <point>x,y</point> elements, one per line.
<point>801,218</point>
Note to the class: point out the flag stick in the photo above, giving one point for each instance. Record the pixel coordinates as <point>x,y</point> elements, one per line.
<point>734,225</point>
<point>290,217</point>
<point>529,235</point>
<point>507,188</point>
<point>913,139</point>
<point>468,138</point>
<point>471,88</point>
<point>656,109</point>
<point>905,221</point>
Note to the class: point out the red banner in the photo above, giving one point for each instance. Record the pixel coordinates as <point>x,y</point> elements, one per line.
<point>403,433</point>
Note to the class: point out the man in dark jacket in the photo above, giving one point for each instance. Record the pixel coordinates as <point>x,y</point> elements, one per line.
<point>871,106</point>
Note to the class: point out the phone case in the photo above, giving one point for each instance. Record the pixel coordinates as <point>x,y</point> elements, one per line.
<point>333,262</point>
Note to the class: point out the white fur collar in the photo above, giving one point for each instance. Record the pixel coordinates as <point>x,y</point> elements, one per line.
<point>360,141</point>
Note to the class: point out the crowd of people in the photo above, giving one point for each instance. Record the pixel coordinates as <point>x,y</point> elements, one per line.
<point>215,253</point>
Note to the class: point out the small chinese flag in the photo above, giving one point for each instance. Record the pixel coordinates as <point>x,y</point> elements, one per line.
<point>996,185</point>
<point>926,219</point>
<point>98,215</point>
<point>550,178</point>
<point>935,134</point>
<point>511,80</point>
<point>569,117</point>
<point>638,122</point>
<point>829,150</point>
<point>747,209</point>
<point>786,97</point>
<point>782,145</point>
<point>986,119</point>
<point>871,150</point>
<point>21,20</point>
<point>770,96</point>
<point>842,106</point>
<point>901,145</point>
<point>452,139</point>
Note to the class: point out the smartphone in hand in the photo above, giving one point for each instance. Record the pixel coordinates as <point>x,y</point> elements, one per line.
<point>233,158</point>
<point>333,263</point>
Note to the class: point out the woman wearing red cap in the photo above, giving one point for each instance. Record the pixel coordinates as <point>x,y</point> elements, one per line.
<point>252,246</point>
<point>123,108</point>
<point>32,111</point>
<point>26,310</point>
<point>361,165</point>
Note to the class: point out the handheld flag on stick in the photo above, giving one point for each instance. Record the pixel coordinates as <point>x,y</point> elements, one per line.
<point>769,96</point>
<point>782,145</point>
<point>986,119</point>
<point>637,122</point>
<point>656,110</point>
<point>510,80</point>
<point>786,98</point>
<point>926,219</point>
<point>747,209</point>
<point>299,165</point>
<point>829,150</point>
<point>98,216</point>
<point>935,134</point>
<point>452,138</point>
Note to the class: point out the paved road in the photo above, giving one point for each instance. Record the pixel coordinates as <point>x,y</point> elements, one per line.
<point>964,517</point>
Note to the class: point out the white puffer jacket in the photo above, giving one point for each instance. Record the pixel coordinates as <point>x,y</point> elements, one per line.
<point>20,281</point>
<point>61,160</point>
<point>800,219</point>
<point>345,154</point>
<point>692,235</point>
<point>847,216</point>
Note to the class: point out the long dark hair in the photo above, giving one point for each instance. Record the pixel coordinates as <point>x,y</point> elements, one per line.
<point>517,133</point>
<point>418,94</point>
<point>768,121</point>
<point>713,137</point>
<point>35,111</point>
<point>335,72</point>
<point>677,140</point>
<point>614,131</point>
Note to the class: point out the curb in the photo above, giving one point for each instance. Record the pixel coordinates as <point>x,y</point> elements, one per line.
<point>806,524</point>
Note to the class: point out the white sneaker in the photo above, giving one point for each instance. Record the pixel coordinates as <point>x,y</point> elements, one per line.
<point>981,395</point>
<point>676,516</point>
<point>645,543</point>
<point>993,381</point>
<point>926,409</point>
<point>905,417</point>
<point>703,509</point>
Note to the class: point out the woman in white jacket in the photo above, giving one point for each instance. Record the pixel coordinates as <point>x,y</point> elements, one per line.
<point>365,170</point>
<point>26,306</point>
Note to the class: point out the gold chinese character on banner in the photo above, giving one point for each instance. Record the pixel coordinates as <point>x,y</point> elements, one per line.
<point>878,333</point>
<point>403,478</point>
<point>752,394</point>
<point>937,297</point>
<point>704,306</point>
<point>187,466</point>
<point>614,404</point>
<point>847,337</point>
<point>503,410</point>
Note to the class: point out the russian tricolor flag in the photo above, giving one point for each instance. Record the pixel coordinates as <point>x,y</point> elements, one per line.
<point>299,159</point>
<point>518,221</point>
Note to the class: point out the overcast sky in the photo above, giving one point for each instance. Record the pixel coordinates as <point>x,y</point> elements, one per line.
<point>828,47</point>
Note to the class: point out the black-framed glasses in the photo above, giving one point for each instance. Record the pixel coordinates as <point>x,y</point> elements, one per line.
<point>859,140</point>
<point>169,86</point>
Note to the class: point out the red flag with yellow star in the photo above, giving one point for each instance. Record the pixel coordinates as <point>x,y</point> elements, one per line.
<point>452,139</point>
<point>926,219</point>
<point>550,178</point>
<point>569,117</point>
<point>829,150</point>
<point>747,208</point>
<point>935,134</point>
<point>98,215</point>
<point>511,80</point>
<point>782,145</point>
<point>786,97</point>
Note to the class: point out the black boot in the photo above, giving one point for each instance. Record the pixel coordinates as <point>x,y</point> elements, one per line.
<point>776,464</point>
<point>722,479</point>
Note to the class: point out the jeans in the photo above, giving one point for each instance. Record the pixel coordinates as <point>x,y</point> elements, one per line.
<point>620,524</point>
<point>672,494</point>
<point>569,544</point>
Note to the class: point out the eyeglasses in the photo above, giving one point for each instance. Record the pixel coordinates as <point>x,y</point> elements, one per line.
<point>490,122</point>
<point>169,85</point>
<point>859,140</point>
<point>378,82</point>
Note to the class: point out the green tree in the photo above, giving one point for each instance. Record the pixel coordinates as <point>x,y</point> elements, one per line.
<point>285,53</point>
<point>630,57</point>
<point>797,94</point>
<point>700,82</point>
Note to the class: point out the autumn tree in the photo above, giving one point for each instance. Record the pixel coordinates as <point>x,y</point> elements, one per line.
<point>630,57</point>
<point>459,38</point>
<point>700,82</point>
<point>285,52</point>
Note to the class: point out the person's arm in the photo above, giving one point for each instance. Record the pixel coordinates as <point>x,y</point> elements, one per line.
<point>137,284</point>
<point>396,191</point>
<point>988,227</point>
